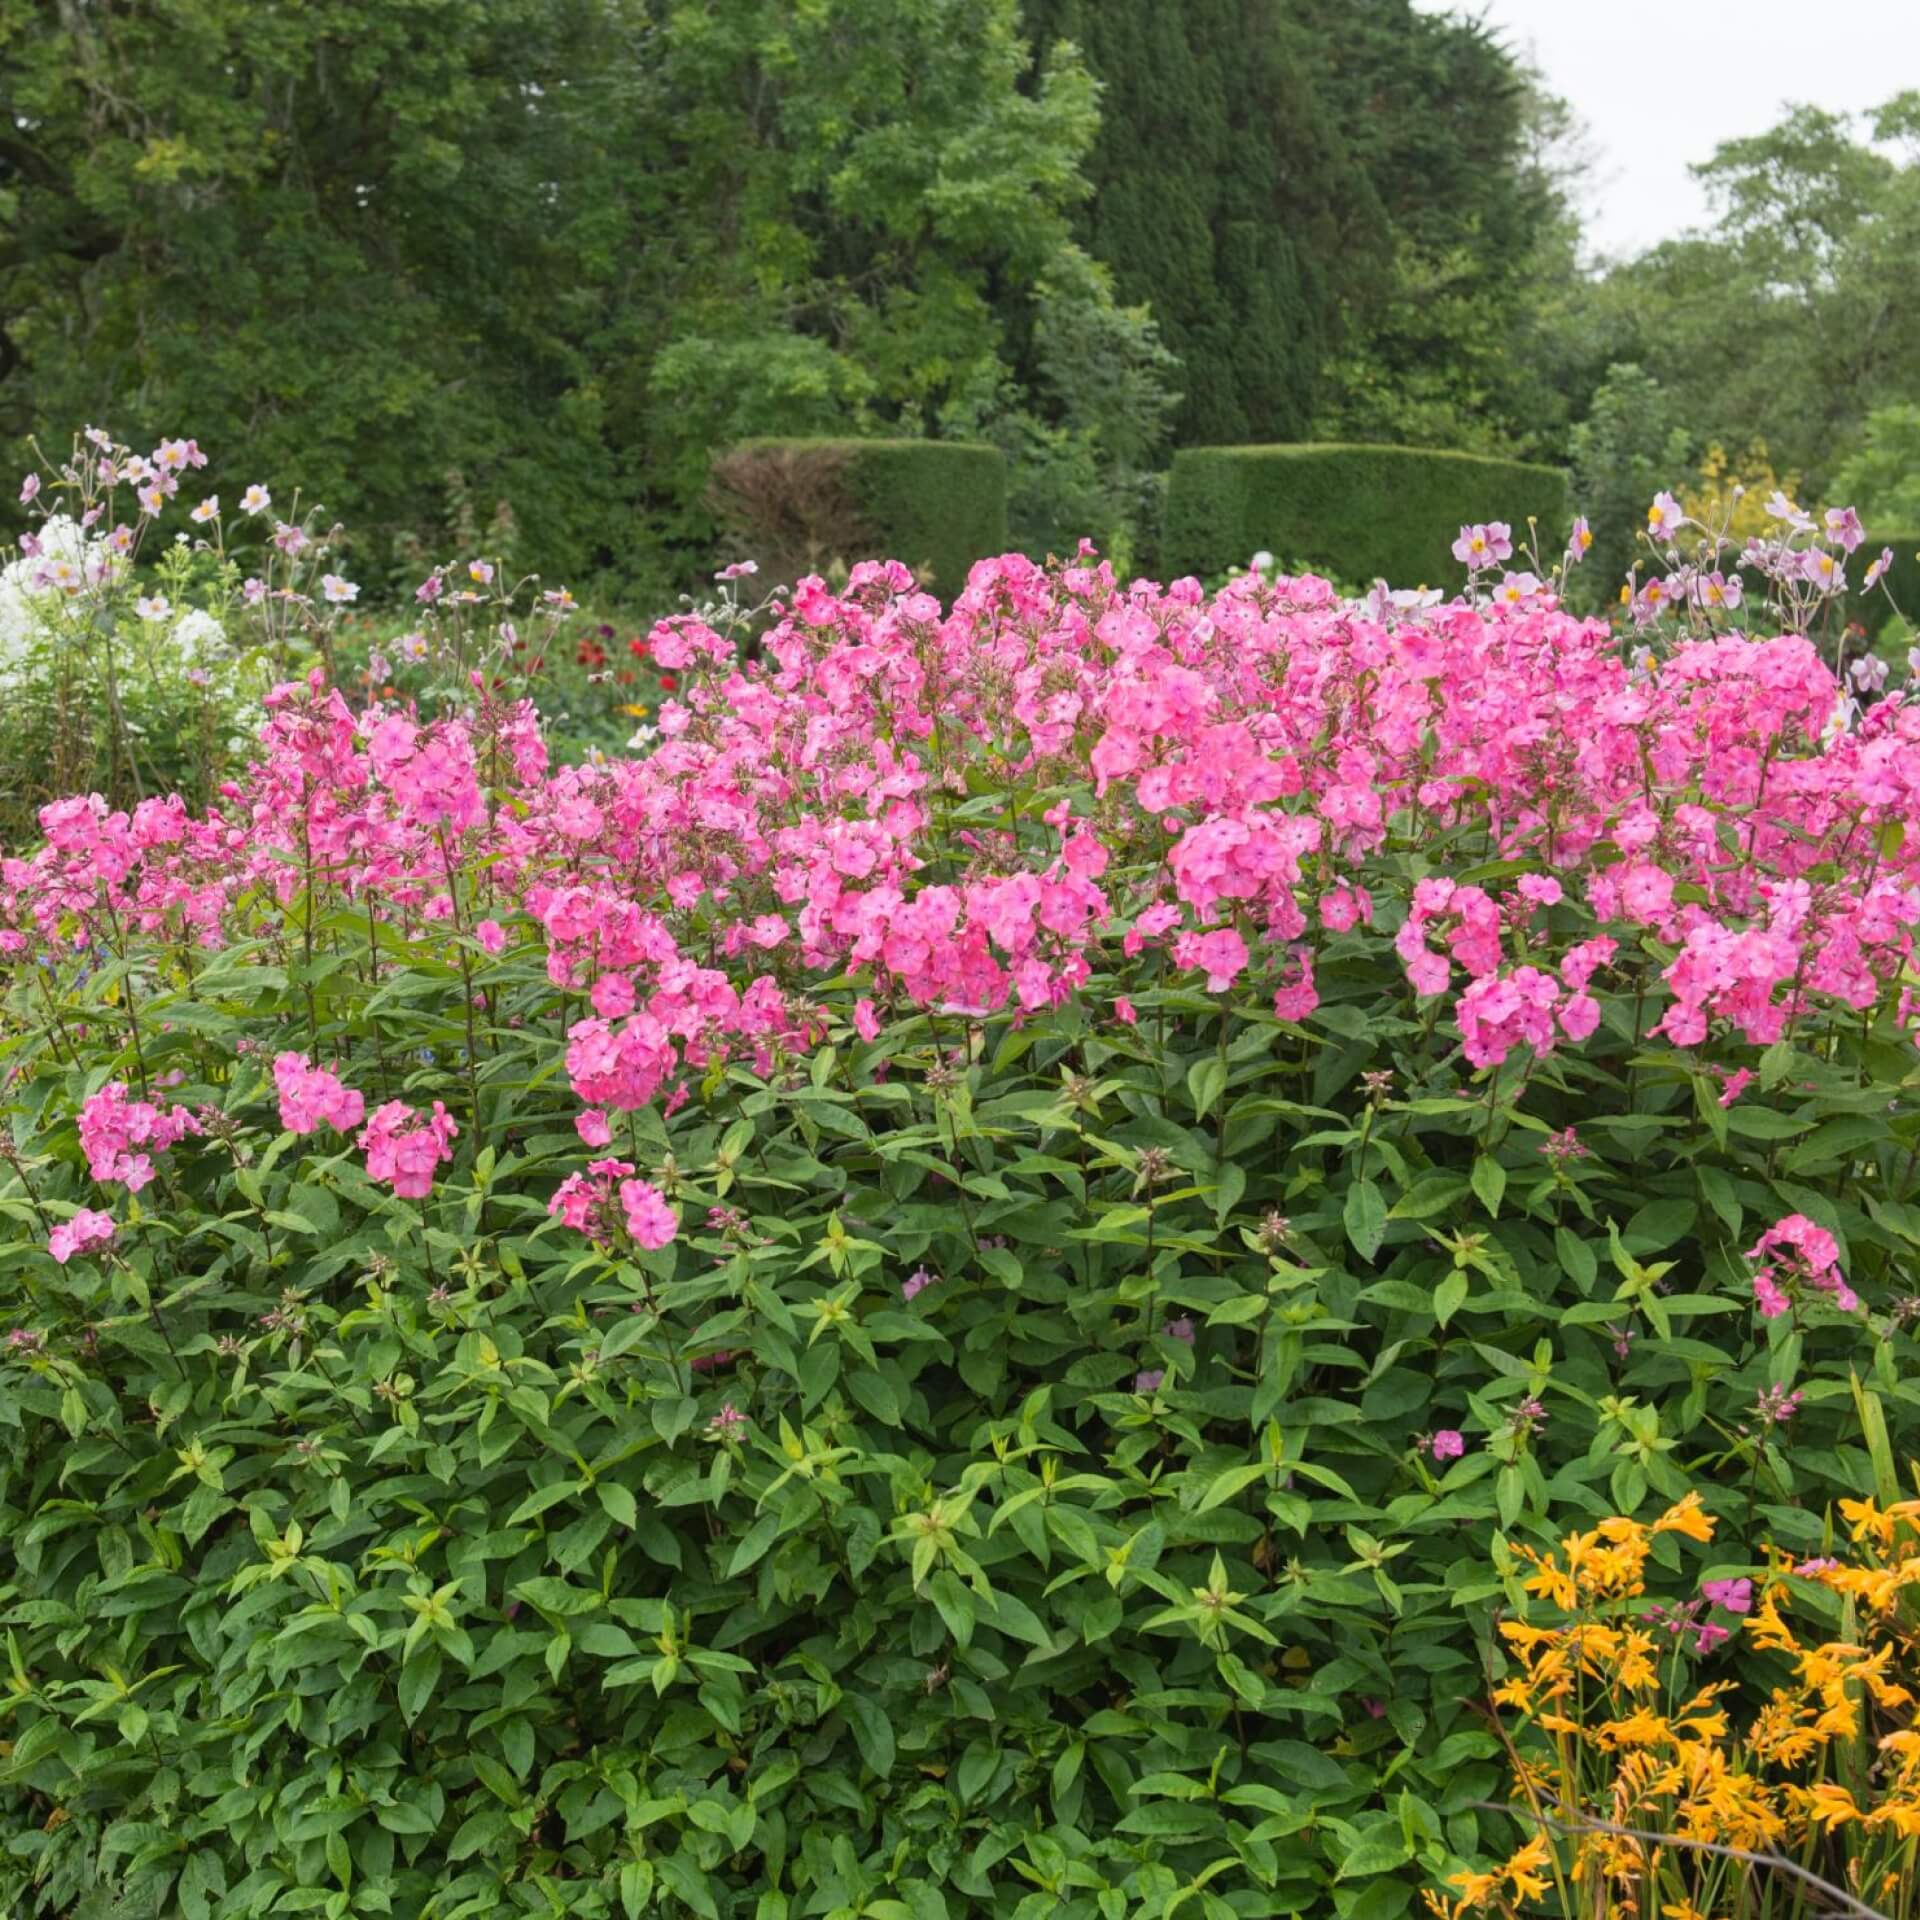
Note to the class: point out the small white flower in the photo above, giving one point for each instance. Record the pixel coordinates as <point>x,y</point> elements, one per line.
<point>152,606</point>
<point>340,592</point>
<point>208,509</point>
<point>1262,562</point>
<point>256,499</point>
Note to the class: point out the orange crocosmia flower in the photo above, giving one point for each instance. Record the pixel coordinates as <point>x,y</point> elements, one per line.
<point>1829,1803</point>
<point>1901,1812</point>
<point>1686,1517</point>
<point>1766,1630</point>
<point>1640,1728</point>
<point>1866,1519</point>
<point>1475,1889</point>
<point>1523,1870</point>
<point>1552,1585</point>
<point>1637,1668</point>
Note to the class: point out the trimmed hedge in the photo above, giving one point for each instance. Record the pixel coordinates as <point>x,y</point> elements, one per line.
<point>1367,512</point>
<point>938,505</point>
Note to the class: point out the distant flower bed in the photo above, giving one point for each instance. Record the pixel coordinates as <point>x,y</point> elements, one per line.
<point>962,1290</point>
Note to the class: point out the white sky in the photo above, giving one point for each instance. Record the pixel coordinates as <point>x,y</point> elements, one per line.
<point>1660,83</point>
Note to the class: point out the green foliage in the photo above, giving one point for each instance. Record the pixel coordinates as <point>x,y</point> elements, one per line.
<point>938,505</point>
<point>1882,479</point>
<point>1223,196</point>
<point>1389,513</point>
<point>1782,320</point>
<point>433,255</point>
<point>1461,342</point>
<point>362,255</point>
<point>368,1554</point>
<point>1624,452</point>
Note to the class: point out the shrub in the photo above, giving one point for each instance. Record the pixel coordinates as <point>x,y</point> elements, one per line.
<point>806,506</point>
<point>1386,513</point>
<point>934,1299</point>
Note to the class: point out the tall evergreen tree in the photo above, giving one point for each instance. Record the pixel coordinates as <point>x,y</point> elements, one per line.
<point>1226,195</point>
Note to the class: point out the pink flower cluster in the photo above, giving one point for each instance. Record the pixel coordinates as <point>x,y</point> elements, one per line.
<point>87,1228</point>
<point>599,1202</point>
<point>311,1097</point>
<point>119,1135</point>
<point>1794,1255</point>
<point>1251,793</point>
<point>403,1146</point>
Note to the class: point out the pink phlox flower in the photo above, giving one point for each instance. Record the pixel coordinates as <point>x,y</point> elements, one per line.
<point>87,1228</point>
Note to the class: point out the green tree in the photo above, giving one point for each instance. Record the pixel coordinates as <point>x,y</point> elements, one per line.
<point>867,215</point>
<point>1467,153</point>
<point>1624,452</point>
<point>1225,197</point>
<point>349,239</point>
<point>1788,318</point>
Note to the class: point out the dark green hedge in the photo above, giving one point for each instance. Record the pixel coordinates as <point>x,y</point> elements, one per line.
<point>1361,512</point>
<point>938,505</point>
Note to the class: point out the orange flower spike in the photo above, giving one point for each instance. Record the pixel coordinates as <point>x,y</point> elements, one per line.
<point>1475,1890</point>
<point>1829,1804</point>
<point>1552,1585</point>
<point>1867,1521</point>
<point>1687,1517</point>
<point>1523,1871</point>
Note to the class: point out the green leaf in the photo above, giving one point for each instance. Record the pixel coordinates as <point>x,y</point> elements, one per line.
<point>872,1732</point>
<point>1365,1217</point>
<point>1206,1082</point>
<point>1489,1184</point>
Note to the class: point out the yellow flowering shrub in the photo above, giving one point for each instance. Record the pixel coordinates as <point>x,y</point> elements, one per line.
<point>1655,1790</point>
<point>1731,491</point>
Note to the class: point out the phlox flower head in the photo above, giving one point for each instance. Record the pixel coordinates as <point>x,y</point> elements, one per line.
<point>120,1134</point>
<point>404,1146</point>
<point>1797,1256</point>
<point>587,1201</point>
<point>1447,1444</point>
<point>312,1097</point>
<point>650,1220</point>
<point>87,1228</point>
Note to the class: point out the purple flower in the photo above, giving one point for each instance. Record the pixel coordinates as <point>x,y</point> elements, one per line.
<point>917,1282</point>
<point>1448,1444</point>
<point>1735,1595</point>
<point>1149,1380</point>
<point>1843,527</point>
